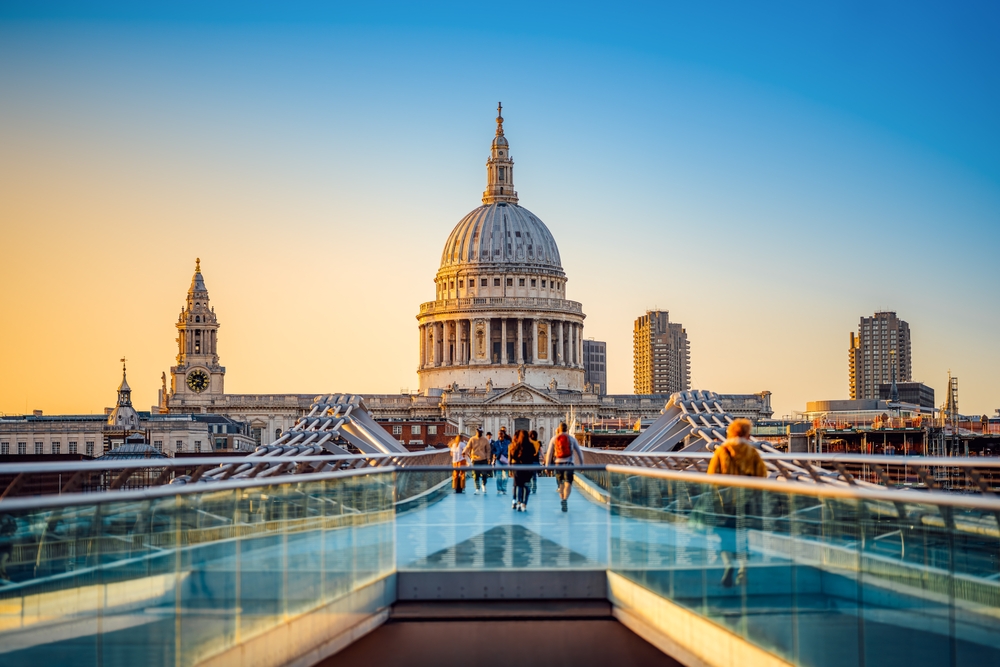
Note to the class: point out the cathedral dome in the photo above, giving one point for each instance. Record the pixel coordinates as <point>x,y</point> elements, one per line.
<point>500,316</point>
<point>501,233</point>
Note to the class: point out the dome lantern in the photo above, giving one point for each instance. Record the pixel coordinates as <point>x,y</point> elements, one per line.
<point>499,168</point>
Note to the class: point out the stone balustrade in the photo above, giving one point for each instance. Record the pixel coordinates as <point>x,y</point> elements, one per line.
<point>477,303</point>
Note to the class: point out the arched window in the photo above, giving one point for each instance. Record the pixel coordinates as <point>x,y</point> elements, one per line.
<point>197,318</point>
<point>277,433</point>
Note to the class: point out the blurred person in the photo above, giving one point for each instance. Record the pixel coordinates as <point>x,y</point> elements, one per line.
<point>522,452</point>
<point>477,450</point>
<point>499,448</point>
<point>537,446</point>
<point>736,456</point>
<point>564,450</point>
<point>458,462</point>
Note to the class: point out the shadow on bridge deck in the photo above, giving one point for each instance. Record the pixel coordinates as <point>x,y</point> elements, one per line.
<point>501,634</point>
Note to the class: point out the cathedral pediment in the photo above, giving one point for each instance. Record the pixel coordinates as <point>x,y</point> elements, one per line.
<point>521,394</point>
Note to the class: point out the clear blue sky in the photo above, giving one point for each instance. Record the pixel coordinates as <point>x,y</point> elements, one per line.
<point>768,172</point>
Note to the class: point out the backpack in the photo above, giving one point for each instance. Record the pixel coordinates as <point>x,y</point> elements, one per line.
<point>562,448</point>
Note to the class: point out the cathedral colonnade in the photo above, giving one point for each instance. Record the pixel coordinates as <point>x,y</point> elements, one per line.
<point>500,341</point>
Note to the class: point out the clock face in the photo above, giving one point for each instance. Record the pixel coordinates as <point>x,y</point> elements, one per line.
<point>197,381</point>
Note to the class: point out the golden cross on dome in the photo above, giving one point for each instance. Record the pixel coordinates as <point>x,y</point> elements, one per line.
<point>197,264</point>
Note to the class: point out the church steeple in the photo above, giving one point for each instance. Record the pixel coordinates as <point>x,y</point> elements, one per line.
<point>197,324</point>
<point>499,168</point>
<point>197,292</point>
<point>197,377</point>
<point>124,391</point>
<point>123,417</point>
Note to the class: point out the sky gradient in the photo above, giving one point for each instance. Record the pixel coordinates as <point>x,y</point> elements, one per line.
<point>767,173</point>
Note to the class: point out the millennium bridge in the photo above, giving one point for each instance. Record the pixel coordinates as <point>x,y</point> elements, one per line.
<point>309,553</point>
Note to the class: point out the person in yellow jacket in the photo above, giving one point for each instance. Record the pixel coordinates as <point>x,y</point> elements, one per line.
<point>736,456</point>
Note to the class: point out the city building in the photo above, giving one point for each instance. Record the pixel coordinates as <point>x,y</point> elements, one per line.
<point>661,357</point>
<point>915,393</point>
<point>96,435</point>
<point>879,354</point>
<point>595,370</point>
<point>418,434</point>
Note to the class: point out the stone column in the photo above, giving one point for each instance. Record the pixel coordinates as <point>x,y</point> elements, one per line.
<point>574,335</point>
<point>446,340</point>
<point>534,340</point>
<point>520,340</point>
<point>503,340</point>
<point>460,341</point>
<point>489,340</point>
<point>435,359</point>
<point>577,356</point>
<point>559,361</point>
<point>423,346</point>
<point>468,342</point>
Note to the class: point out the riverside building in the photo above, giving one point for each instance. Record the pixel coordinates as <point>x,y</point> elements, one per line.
<point>661,357</point>
<point>879,353</point>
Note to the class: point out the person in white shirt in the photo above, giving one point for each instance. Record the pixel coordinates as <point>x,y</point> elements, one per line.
<point>563,449</point>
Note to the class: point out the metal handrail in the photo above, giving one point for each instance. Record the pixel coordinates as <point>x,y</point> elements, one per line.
<point>816,490</point>
<point>181,462</point>
<point>980,502</point>
<point>921,461</point>
<point>150,493</point>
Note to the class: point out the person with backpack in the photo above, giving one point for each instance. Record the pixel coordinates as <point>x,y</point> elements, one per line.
<point>563,450</point>
<point>499,453</point>
<point>736,456</point>
<point>521,452</point>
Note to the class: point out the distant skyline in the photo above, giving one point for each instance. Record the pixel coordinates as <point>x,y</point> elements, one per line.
<point>767,174</point>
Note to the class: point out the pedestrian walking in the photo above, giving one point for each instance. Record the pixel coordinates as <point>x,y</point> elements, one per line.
<point>477,450</point>
<point>735,456</point>
<point>537,446</point>
<point>458,462</point>
<point>522,452</point>
<point>500,447</point>
<point>563,450</point>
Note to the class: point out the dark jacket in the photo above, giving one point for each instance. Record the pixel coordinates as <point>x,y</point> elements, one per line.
<point>524,455</point>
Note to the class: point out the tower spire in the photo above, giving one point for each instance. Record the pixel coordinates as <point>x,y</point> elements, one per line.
<point>124,391</point>
<point>499,168</point>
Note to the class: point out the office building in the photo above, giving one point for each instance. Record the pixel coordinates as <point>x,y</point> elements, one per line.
<point>661,356</point>
<point>879,353</point>
<point>595,372</point>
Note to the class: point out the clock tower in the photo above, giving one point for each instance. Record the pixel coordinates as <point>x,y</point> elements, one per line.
<point>197,379</point>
